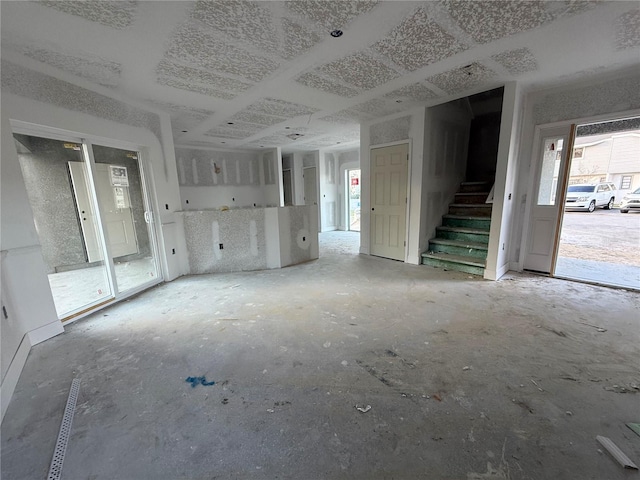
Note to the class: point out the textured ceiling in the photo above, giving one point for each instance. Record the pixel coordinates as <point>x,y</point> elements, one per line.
<point>257,74</point>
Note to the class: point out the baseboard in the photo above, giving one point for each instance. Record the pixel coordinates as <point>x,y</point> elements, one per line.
<point>45,332</point>
<point>13,375</point>
<point>495,275</point>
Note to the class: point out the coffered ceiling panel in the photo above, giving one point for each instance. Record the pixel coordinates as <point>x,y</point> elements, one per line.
<point>274,106</point>
<point>330,15</point>
<point>194,87</point>
<point>191,45</point>
<point>417,42</point>
<point>360,70</point>
<point>415,91</point>
<point>167,68</point>
<point>243,20</point>
<point>325,84</point>
<point>487,20</point>
<point>517,61</point>
<point>238,72</point>
<point>86,66</point>
<point>461,79</point>
<point>117,14</point>
<point>253,117</point>
<point>628,30</point>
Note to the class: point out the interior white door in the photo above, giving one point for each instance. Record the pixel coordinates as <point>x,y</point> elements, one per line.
<point>120,229</point>
<point>389,167</point>
<point>310,186</point>
<point>550,159</point>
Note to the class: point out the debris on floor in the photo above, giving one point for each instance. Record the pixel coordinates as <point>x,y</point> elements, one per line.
<point>539,388</point>
<point>599,329</point>
<point>635,427</point>
<point>195,381</point>
<point>363,409</point>
<point>623,389</point>
<point>466,368</point>
<point>616,453</point>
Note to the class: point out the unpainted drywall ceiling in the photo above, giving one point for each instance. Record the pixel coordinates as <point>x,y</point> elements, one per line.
<point>258,74</point>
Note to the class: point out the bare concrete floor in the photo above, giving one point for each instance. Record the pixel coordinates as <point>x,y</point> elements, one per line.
<point>292,351</point>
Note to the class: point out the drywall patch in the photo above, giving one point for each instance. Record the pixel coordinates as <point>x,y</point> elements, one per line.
<point>330,15</point>
<point>318,82</point>
<point>390,131</point>
<point>240,19</point>
<point>87,66</point>
<point>192,45</point>
<point>28,83</point>
<point>416,91</point>
<point>119,14</point>
<point>488,20</point>
<point>463,78</point>
<point>628,30</point>
<point>360,70</point>
<point>417,42</point>
<point>517,61</point>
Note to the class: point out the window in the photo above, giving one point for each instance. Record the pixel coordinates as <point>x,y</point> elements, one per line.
<point>578,152</point>
<point>625,184</point>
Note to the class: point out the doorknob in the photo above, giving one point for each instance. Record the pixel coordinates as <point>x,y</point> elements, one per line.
<point>372,209</point>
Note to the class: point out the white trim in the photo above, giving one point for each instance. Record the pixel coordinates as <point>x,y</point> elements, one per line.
<point>495,275</point>
<point>45,332</point>
<point>389,144</point>
<point>12,376</point>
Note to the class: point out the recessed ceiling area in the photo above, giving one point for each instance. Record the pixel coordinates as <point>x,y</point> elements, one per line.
<point>236,72</point>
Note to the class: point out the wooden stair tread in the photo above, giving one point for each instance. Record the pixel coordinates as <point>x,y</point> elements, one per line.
<point>471,205</point>
<point>454,258</point>
<point>459,243</point>
<point>465,217</point>
<point>476,231</point>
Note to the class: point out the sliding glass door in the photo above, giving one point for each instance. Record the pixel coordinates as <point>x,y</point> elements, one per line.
<point>93,218</point>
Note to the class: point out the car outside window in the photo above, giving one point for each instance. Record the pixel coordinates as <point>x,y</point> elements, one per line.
<point>581,188</point>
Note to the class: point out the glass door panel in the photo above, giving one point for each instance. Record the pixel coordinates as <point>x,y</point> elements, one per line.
<point>126,216</point>
<point>57,180</point>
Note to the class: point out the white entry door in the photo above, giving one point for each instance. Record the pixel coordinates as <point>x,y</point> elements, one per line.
<point>121,233</point>
<point>549,164</point>
<point>389,168</point>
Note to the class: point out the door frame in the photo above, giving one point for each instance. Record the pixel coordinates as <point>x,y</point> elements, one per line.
<point>149,202</point>
<point>534,168</point>
<point>543,131</point>
<point>407,142</point>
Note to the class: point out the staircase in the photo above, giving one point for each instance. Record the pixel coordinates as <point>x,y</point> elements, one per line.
<point>462,241</point>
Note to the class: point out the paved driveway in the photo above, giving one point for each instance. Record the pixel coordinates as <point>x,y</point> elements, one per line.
<point>604,235</point>
<point>601,247</point>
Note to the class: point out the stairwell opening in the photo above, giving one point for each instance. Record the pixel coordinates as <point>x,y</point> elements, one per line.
<point>460,235</point>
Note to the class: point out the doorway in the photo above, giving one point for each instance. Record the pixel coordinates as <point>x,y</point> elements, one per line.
<point>93,219</point>
<point>353,195</point>
<point>600,230</point>
<point>389,170</point>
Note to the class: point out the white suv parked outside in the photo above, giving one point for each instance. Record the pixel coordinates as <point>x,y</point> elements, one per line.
<point>588,197</point>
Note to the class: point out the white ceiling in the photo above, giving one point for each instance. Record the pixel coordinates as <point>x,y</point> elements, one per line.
<point>250,74</point>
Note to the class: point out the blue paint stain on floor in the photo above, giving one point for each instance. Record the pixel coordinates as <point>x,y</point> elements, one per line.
<point>195,381</point>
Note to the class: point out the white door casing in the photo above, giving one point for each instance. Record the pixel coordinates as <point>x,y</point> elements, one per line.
<point>389,169</point>
<point>550,166</point>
